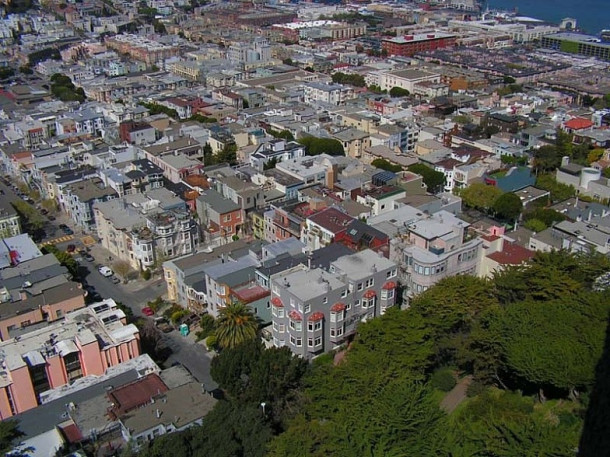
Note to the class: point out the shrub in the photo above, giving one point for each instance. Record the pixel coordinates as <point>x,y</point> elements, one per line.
<point>475,388</point>
<point>443,379</point>
<point>211,342</point>
<point>535,225</point>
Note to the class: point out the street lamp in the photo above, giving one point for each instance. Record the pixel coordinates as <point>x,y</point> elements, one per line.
<point>263,404</point>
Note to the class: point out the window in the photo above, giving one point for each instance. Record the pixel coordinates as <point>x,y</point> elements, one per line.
<point>227,217</point>
<point>336,316</point>
<point>390,293</point>
<point>325,300</point>
<point>336,332</point>
<point>344,294</point>
<point>310,342</point>
<point>391,273</point>
<point>369,282</point>
<point>296,341</point>
<point>349,306</point>
<point>307,308</point>
<point>360,286</point>
<point>356,303</point>
<point>311,326</point>
<point>318,341</point>
<point>297,326</point>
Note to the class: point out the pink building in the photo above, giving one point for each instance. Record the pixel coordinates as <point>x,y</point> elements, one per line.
<point>87,342</point>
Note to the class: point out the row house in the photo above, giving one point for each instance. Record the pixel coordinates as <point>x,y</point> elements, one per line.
<point>281,221</point>
<point>9,220</point>
<point>321,228</point>
<point>235,187</point>
<point>86,343</point>
<point>219,216</point>
<point>316,310</point>
<point>278,150</point>
<point>80,197</point>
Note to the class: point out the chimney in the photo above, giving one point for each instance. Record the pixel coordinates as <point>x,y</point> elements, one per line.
<point>158,413</point>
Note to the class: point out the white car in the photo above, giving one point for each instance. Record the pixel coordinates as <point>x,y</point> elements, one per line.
<point>105,271</point>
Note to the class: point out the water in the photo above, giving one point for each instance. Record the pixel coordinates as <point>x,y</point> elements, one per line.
<point>592,15</point>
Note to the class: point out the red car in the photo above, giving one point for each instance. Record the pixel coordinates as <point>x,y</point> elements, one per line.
<point>147,311</point>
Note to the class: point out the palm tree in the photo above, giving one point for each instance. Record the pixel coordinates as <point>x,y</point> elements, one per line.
<point>235,325</point>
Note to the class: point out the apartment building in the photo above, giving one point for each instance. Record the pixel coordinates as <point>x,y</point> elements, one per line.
<point>315,310</point>
<point>143,228</point>
<point>436,247</point>
<point>87,342</point>
<point>407,45</point>
<point>332,94</point>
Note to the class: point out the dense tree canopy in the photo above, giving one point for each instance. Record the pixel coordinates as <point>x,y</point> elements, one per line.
<point>352,79</point>
<point>386,165</point>
<point>480,196</point>
<point>508,206</point>
<point>316,146</point>
<point>530,337</point>
<point>434,180</point>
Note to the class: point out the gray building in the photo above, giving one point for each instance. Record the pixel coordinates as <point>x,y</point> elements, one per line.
<point>315,310</point>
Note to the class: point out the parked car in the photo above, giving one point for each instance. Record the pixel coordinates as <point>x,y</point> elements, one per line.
<point>105,271</point>
<point>88,257</point>
<point>51,217</point>
<point>71,248</point>
<point>147,311</point>
<point>115,280</point>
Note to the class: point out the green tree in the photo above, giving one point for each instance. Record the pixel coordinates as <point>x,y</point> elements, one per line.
<point>399,92</point>
<point>556,343</point>
<point>559,192</point>
<point>31,218</point>
<point>434,180</point>
<point>228,154</point>
<point>506,424</point>
<point>480,196</point>
<point>63,257</point>
<point>9,436</point>
<point>547,158</point>
<point>386,165</point>
<point>535,225</point>
<point>316,146</point>
<point>508,206</point>
<point>235,325</point>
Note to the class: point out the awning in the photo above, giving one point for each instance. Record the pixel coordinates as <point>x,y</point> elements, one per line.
<point>317,316</point>
<point>34,358</point>
<point>66,347</point>
<point>389,285</point>
<point>295,316</point>
<point>275,301</point>
<point>337,307</point>
<point>370,294</point>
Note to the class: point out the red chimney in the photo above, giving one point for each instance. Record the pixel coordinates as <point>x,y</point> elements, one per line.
<point>14,255</point>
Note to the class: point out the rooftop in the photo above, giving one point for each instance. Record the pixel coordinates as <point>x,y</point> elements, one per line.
<point>361,264</point>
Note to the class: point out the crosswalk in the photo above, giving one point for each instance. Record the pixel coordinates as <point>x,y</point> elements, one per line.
<point>61,239</point>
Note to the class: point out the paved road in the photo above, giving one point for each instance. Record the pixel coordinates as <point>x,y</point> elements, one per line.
<point>192,355</point>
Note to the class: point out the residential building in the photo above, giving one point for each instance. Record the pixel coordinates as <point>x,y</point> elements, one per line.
<point>315,310</point>
<point>576,43</point>
<point>145,228</point>
<point>321,228</point>
<point>433,248</point>
<point>87,342</point>
<point>219,216</point>
<point>332,94</point>
<point>406,79</point>
<point>278,150</point>
<point>9,220</point>
<point>80,197</point>
<point>35,290</point>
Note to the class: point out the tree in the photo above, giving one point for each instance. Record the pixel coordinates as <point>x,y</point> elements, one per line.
<point>385,165</point>
<point>555,343</point>
<point>9,436</point>
<point>508,206</point>
<point>594,155</point>
<point>399,92</point>
<point>352,79</point>
<point>559,192</point>
<point>122,268</point>
<point>535,225</point>
<point>434,180</point>
<point>480,196</point>
<point>26,70</point>
<point>228,154</point>
<point>63,257</point>
<point>235,325</point>
<point>315,146</point>
<point>547,158</point>
<point>31,218</point>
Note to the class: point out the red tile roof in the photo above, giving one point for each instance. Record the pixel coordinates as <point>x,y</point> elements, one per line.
<point>275,301</point>
<point>578,123</point>
<point>389,285</point>
<point>512,254</point>
<point>295,315</point>
<point>338,307</point>
<point>317,316</point>
<point>370,294</point>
